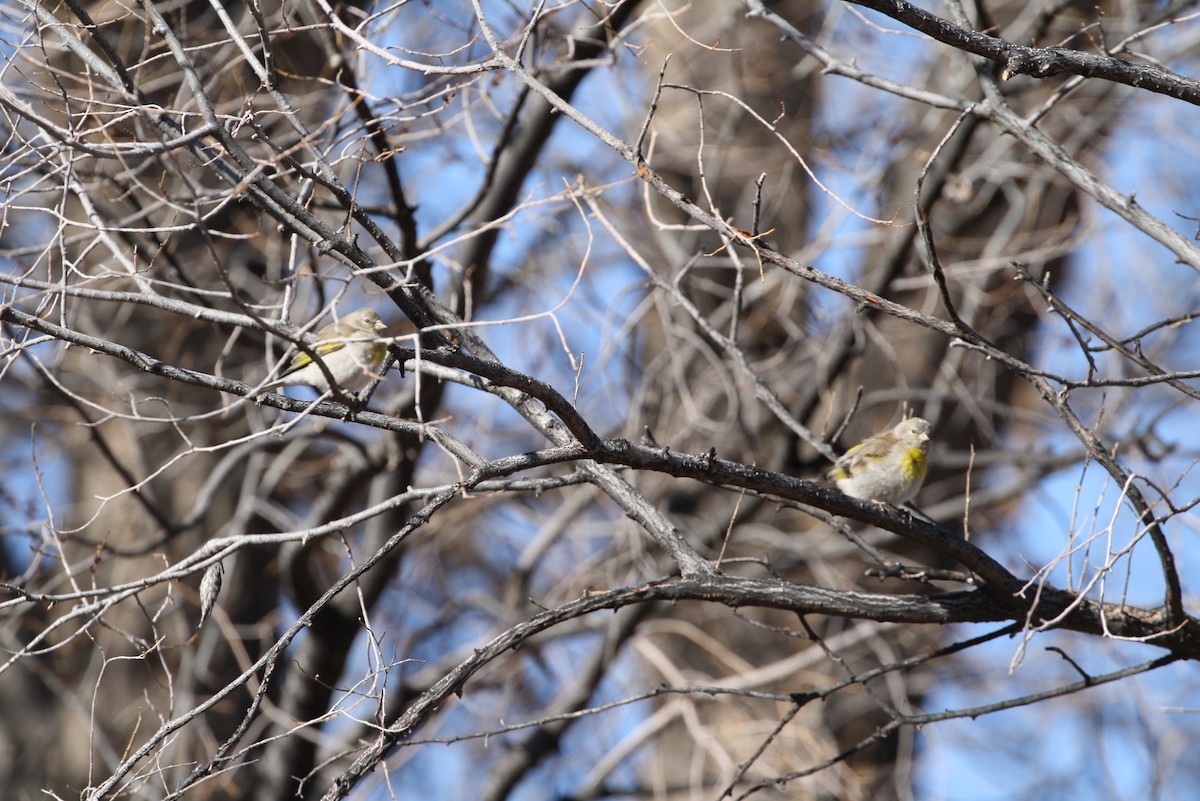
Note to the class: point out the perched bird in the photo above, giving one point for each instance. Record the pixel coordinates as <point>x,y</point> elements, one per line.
<point>887,467</point>
<point>347,348</point>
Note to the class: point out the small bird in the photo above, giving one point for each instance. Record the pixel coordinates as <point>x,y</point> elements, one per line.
<point>887,467</point>
<point>347,348</point>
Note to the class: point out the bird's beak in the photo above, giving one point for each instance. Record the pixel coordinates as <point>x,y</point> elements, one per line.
<point>381,325</point>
